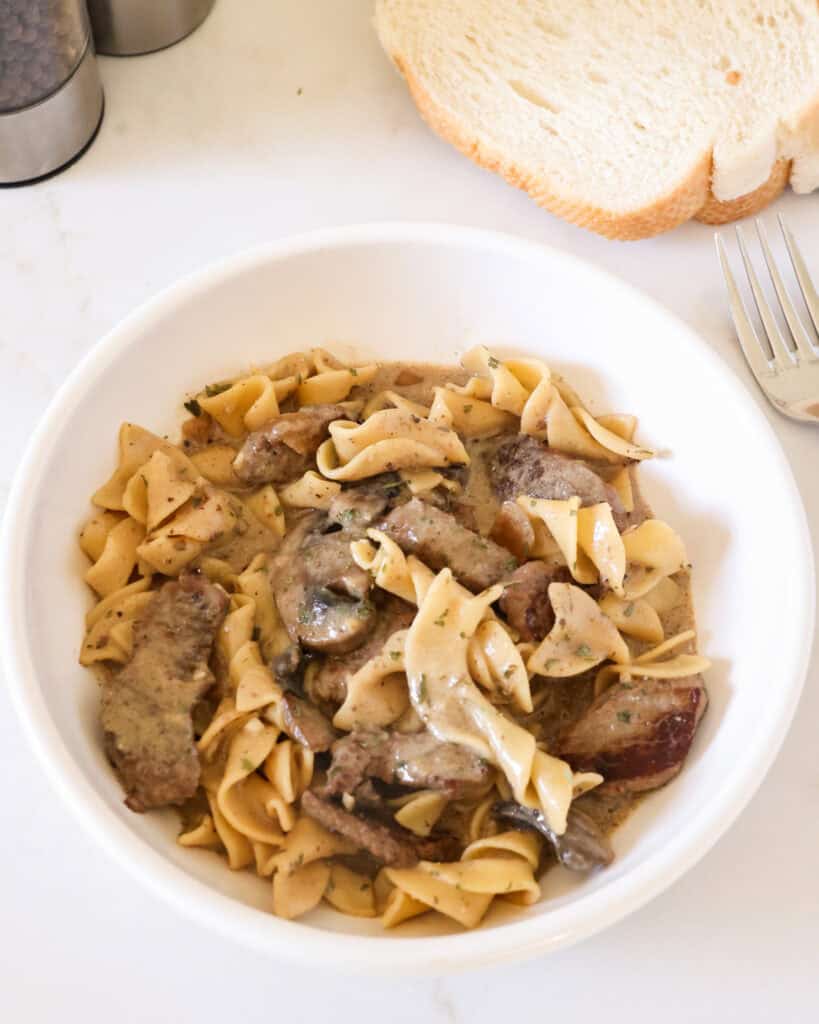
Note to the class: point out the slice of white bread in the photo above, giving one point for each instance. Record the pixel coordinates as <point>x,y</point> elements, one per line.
<point>627,117</point>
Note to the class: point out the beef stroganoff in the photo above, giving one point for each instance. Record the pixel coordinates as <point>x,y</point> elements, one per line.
<point>397,637</point>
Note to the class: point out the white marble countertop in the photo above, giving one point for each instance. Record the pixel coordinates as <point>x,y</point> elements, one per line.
<point>276,117</point>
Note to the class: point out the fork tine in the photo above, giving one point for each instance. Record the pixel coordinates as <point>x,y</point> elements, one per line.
<point>802,275</point>
<point>800,335</point>
<point>751,345</point>
<point>781,355</point>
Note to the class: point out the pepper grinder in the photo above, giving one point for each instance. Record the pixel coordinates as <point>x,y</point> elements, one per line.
<point>125,28</point>
<point>51,100</point>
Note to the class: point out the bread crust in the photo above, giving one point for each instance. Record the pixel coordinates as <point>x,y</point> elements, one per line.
<point>691,198</point>
<point>715,211</point>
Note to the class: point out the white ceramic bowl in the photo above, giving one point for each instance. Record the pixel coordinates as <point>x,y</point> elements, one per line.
<point>427,292</point>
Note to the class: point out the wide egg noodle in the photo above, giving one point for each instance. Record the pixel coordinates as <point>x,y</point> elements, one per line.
<point>635,618</point>
<point>248,802</point>
<point>254,583</point>
<point>309,491</point>
<point>581,637</point>
<point>560,518</point>
<point>334,385</point>
<point>265,505</point>
<point>299,892</point>
<point>113,568</point>
<point>599,538</point>
<point>158,488</point>
<point>350,892</point>
<point>470,416</point>
<point>377,692</point>
<point>387,441</point>
<point>289,767</point>
<point>95,533</point>
<point>419,811</point>
<point>495,663</point>
<point>246,405</point>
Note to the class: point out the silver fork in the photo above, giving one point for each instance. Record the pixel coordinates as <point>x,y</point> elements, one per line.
<point>788,373</point>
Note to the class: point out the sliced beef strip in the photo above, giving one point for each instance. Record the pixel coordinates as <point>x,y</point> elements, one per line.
<point>386,841</point>
<point>146,707</point>
<point>200,431</point>
<point>328,685</point>
<point>440,541</point>
<point>513,531</point>
<point>284,448</point>
<point>320,592</point>
<point>416,760</point>
<point>524,465</point>
<point>304,723</point>
<point>637,735</point>
<point>582,847</point>
<point>525,601</point>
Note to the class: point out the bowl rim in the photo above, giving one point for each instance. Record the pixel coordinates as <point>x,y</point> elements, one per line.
<point>293,941</point>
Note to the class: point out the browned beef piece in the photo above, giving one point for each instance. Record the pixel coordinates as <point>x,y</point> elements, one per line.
<point>146,707</point>
<point>284,448</point>
<point>306,724</point>
<point>200,431</point>
<point>320,592</point>
<point>513,531</point>
<point>417,760</point>
<point>524,465</point>
<point>637,735</point>
<point>582,847</point>
<point>329,684</point>
<point>439,540</point>
<point>387,842</point>
<point>525,601</point>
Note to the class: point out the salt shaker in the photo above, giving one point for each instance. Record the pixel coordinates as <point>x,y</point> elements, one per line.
<point>51,99</point>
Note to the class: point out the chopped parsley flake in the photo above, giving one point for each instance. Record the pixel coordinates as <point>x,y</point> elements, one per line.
<point>468,408</point>
<point>511,564</point>
<point>462,635</point>
<point>441,620</point>
<point>422,688</point>
<point>624,716</point>
<point>248,765</point>
<point>364,610</point>
<point>493,363</point>
<point>508,671</point>
<point>278,511</point>
<point>193,407</point>
<point>584,651</point>
<point>550,662</point>
<point>628,611</point>
<point>395,655</point>
<point>353,371</point>
<point>348,515</point>
<point>211,390</point>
